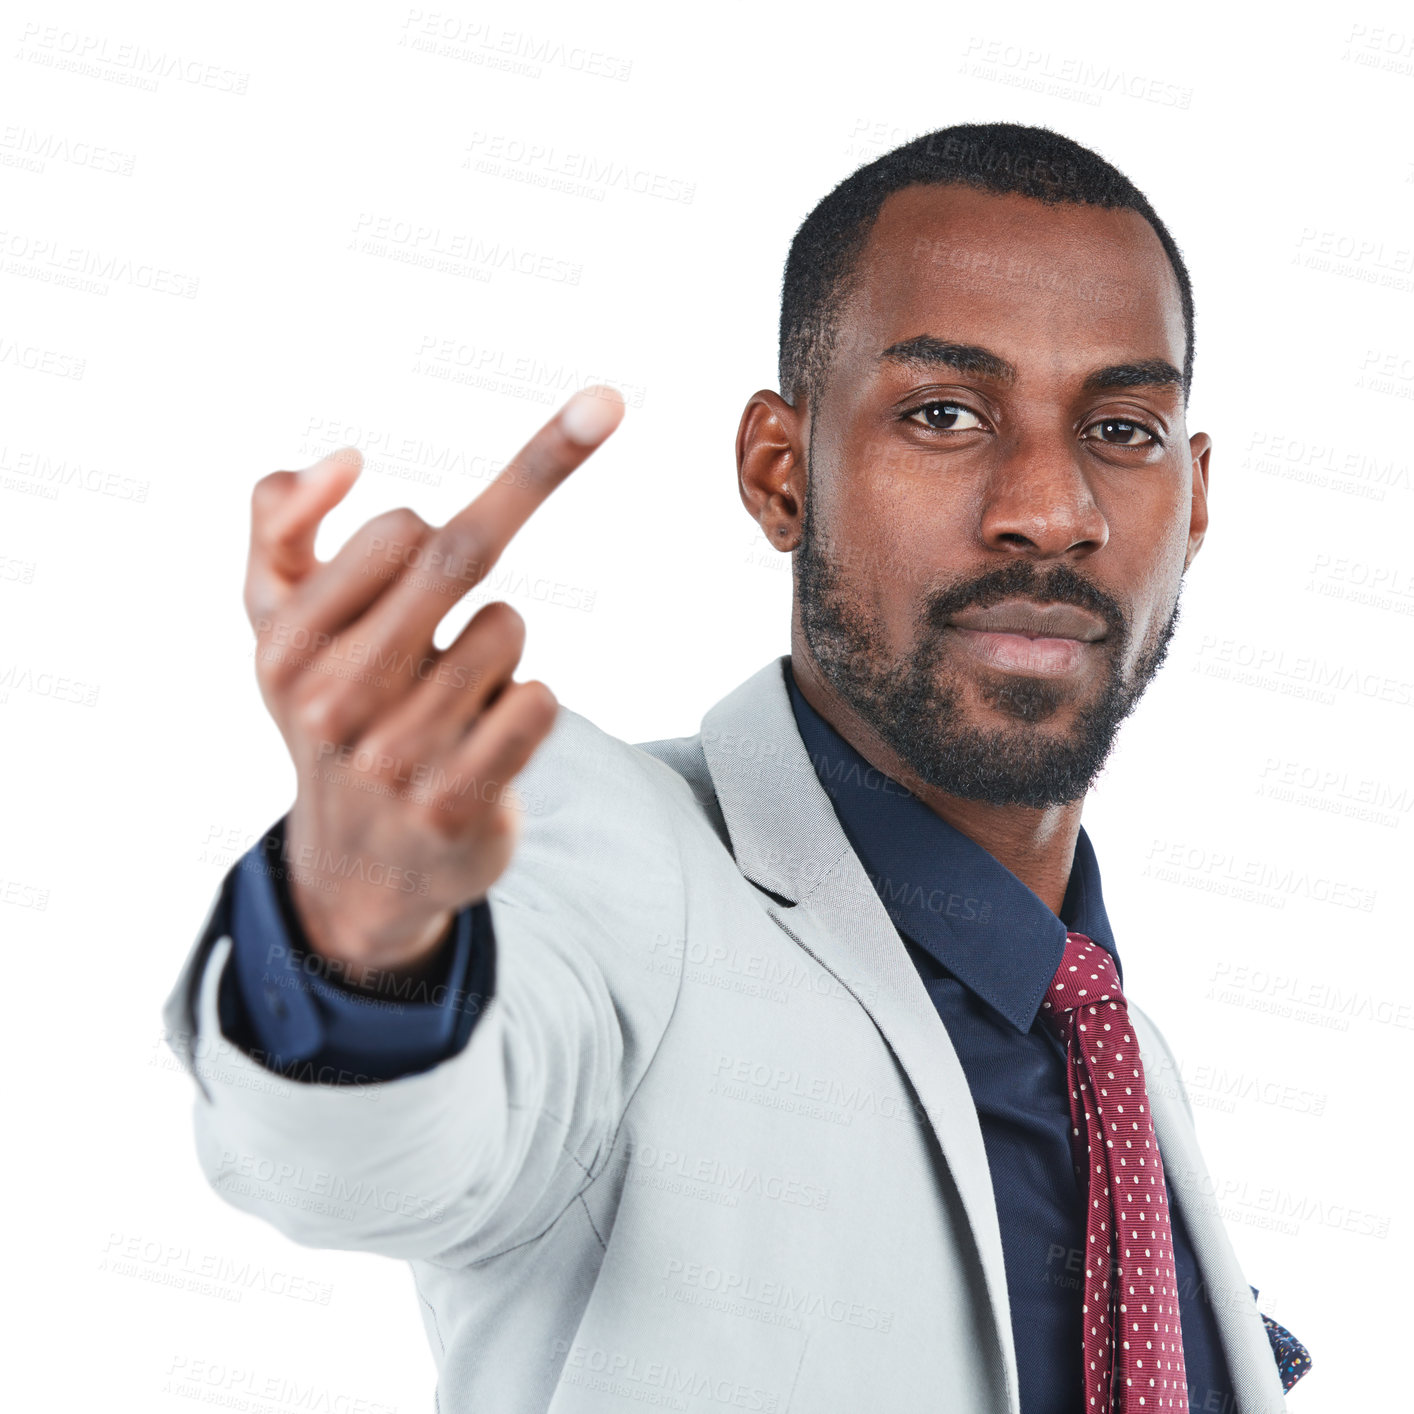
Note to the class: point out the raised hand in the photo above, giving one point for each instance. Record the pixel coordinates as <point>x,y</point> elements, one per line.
<point>404,811</point>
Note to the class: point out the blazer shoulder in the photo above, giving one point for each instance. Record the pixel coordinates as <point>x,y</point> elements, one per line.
<point>582,771</point>
<point>684,756</point>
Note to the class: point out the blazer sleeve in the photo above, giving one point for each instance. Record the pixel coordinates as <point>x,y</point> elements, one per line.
<point>485,1149</point>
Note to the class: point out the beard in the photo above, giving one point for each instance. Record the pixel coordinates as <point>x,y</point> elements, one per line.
<point>911,705</point>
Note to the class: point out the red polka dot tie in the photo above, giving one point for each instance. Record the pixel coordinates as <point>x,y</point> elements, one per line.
<point>1133,1340</point>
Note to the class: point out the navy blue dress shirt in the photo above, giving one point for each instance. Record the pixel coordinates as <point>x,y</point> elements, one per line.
<point>284,1006</point>
<point>986,948</point>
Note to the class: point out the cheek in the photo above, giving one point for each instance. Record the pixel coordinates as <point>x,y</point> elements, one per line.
<point>1157,571</point>
<point>1172,546</point>
<point>901,539</point>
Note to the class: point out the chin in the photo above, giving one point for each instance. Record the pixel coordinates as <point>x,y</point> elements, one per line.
<point>1024,699</point>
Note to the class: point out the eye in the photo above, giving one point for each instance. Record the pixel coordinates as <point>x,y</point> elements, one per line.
<point>1124,432</point>
<point>944,417</point>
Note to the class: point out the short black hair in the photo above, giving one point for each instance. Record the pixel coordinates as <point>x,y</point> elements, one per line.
<point>1006,158</point>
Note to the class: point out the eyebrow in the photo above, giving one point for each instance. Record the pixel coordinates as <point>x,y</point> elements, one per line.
<point>926,351</point>
<point>1147,373</point>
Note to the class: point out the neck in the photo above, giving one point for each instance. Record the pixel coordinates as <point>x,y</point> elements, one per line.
<point>1036,844</point>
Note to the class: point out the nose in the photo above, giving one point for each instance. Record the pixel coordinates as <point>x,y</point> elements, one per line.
<point>1037,501</point>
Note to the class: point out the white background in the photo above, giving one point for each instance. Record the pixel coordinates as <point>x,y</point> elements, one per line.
<point>252,176</point>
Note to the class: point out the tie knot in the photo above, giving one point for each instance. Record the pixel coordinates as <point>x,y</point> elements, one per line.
<point>1086,975</point>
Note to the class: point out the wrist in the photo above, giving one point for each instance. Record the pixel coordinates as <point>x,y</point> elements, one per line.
<point>369,961</point>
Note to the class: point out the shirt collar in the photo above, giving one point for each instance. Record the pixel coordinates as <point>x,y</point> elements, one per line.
<point>944,891</point>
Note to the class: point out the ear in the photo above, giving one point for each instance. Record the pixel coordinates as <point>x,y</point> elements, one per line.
<point>1200,445</point>
<point>770,466</point>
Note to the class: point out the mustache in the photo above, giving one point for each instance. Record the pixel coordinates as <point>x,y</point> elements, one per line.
<point>1022,580</point>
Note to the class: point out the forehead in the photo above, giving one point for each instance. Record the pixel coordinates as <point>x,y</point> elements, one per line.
<point>1072,286</point>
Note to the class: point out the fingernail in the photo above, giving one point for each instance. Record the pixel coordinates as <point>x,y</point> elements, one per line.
<point>591,415</point>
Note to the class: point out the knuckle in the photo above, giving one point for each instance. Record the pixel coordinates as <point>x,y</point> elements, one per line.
<point>380,753</point>
<point>320,717</point>
<point>500,826</point>
<point>505,624</point>
<point>443,814</point>
<point>402,524</point>
<point>465,549</point>
<point>540,702</point>
<point>272,663</point>
<point>521,736</point>
<point>267,668</point>
<point>405,518</point>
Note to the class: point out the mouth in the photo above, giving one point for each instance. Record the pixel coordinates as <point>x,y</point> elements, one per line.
<point>1045,640</point>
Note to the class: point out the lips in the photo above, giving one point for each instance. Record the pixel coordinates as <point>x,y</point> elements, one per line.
<point>1028,620</point>
<point>1047,640</point>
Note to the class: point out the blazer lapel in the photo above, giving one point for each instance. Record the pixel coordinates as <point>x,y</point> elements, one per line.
<point>787,839</point>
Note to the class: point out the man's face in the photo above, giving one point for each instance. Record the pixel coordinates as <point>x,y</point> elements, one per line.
<point>1001,495</point>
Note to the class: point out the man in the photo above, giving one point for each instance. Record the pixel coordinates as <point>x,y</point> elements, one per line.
<point>771,1067</point>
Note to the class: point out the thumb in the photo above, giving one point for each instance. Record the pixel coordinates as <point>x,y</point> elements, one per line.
<point>287,509</point>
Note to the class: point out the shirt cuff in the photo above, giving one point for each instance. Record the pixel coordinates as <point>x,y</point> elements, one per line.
<point>281,1004</point>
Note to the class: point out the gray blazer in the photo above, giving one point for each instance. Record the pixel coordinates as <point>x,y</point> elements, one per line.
<point>709,1146</point>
